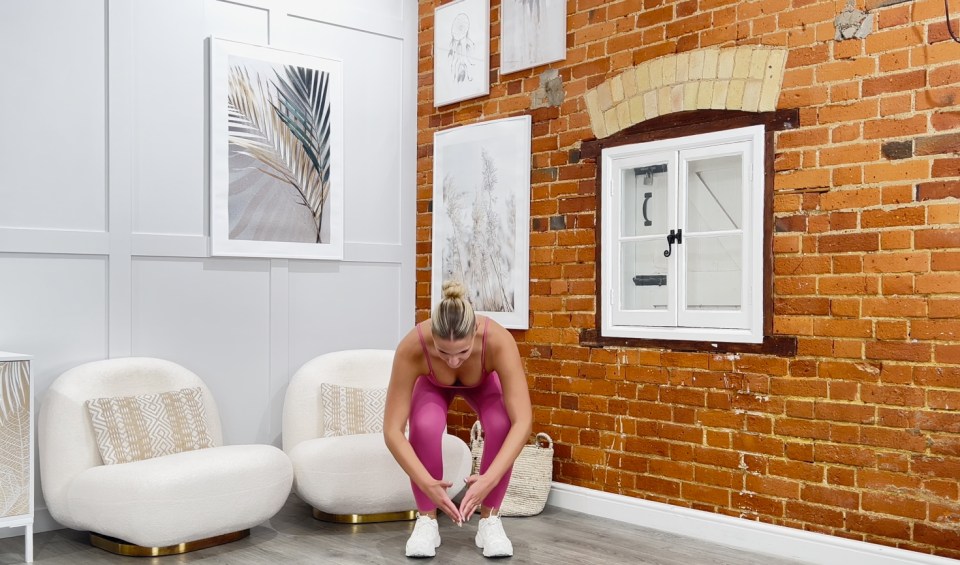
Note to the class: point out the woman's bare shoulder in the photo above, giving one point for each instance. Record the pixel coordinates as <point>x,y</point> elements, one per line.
<point>499,338</point>
<point>409,350</point>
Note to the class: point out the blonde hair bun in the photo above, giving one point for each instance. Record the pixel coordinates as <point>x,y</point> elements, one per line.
<point>453,317</point>
<point>453,290</point>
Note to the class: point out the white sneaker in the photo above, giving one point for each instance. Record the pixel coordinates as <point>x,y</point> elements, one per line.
<point>425,538</point>
<point>492,539</point>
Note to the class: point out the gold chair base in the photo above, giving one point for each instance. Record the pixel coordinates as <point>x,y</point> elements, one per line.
<point>120,547</point>
<point>402,516</point>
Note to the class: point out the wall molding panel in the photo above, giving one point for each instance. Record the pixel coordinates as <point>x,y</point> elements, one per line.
<point>146,284</point>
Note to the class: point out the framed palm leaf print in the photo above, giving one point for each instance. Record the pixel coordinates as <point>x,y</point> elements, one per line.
<point>276,153</point>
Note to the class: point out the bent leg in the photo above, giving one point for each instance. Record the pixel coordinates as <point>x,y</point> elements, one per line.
<point>428,420</point>
<point>487,400</point>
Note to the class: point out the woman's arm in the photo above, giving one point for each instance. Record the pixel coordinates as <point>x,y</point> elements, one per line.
<point>504,358</point>
<point>395,415</point>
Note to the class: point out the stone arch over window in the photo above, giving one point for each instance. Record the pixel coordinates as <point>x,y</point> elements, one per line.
<point>746,78</point>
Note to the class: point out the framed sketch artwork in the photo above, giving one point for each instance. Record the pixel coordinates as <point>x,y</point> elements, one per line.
<point>276,153</point>
<point>534,33</point>
<point>461,51</point>
<point>481,216</point>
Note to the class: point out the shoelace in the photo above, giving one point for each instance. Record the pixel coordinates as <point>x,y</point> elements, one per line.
<point>423,523</point>
<point>493,522</point>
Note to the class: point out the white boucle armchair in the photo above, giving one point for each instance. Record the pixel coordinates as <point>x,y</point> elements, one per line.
<point>161,505</point>
<point>352,478</point>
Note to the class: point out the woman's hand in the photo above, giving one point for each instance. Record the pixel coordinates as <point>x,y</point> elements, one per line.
<point>478,487</point>
<point>437,491</point>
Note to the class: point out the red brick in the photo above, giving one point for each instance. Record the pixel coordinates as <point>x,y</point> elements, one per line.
<point>844,412</point>
<point>899,351</point>
<point>749,502</point>
<point>861,110</point>
<point>949,167</point>
<point>897,263</point>
<point>831,496</point>
<point>894,505</point>
<point>844,455</point>
<point>943,121</point>
<point>878,525</point>
<point>937,535</point>
<point>910,80</point>
<point>814,514</point>
<point>845,243</point>
<point>938,283</point>
<point>937,144</point>
<point>938,190</point>
<point>908,216</point>
<point>896,127</point>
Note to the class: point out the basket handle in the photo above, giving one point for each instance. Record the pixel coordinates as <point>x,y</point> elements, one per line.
<point>543,437</point>
<point>475,432</point>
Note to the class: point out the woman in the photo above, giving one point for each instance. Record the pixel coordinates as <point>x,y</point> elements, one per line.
<point>455,353</point>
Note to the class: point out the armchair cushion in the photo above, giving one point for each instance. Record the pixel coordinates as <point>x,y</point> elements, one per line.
<point>134,428</point>
<point>182,497</point>
<point>350,411</point>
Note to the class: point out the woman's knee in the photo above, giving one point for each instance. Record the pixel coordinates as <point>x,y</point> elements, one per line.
<point>496,423</point>
<point>427,423</point>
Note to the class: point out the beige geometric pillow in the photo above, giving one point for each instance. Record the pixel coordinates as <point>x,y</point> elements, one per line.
<point>349,410</point>
<point>134,428</point>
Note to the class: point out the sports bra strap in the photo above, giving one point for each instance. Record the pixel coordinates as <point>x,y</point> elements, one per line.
<point>426,353</point>
<point>483,348</point>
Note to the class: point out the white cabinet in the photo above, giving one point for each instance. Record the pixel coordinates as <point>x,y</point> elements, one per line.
<point>16,446</point>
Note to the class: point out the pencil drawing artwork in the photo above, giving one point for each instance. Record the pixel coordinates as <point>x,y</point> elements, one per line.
<point>534,33</point>
<point>481,215</point>
<point>461,45</point>
<point>462,49</point>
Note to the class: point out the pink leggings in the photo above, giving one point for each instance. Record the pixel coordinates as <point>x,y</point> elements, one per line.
<point>428,420</point>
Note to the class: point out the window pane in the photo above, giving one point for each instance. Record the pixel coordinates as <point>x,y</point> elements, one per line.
<point>644,206</point>
<point>715,194</point>
<point>714,272</point>
<point>643,275</point>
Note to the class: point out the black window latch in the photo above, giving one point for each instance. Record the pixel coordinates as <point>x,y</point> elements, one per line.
<point>673,237</point>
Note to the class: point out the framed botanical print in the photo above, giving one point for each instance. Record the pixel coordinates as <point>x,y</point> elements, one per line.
<point>481,216</point>
<point>276,153</point>
<point>534,33</point>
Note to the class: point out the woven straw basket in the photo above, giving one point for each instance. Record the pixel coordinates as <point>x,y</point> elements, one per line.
<point>532,474</point>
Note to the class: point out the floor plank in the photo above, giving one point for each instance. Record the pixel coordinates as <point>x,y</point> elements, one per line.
<point>555,537</point>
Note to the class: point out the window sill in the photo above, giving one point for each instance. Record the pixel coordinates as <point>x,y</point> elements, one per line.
<point>779,345</point>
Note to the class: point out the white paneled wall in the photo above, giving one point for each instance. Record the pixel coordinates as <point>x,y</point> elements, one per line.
<point>104,213</point>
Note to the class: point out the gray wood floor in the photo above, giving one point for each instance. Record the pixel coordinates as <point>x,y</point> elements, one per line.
<point>555,537</point>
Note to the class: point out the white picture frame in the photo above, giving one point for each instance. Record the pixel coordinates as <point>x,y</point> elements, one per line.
<point>276,153</point>
<point>534,32</point>
<point>481,216</point>
<point>461,51</point>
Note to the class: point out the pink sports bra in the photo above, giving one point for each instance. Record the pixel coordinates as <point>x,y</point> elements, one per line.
<point>483,358</point>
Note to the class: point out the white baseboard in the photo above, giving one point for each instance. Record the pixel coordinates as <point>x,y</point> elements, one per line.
<point>750,535</point>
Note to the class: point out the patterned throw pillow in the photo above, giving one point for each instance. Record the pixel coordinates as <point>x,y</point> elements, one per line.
<point>133,428</point>
<point>349,410</point>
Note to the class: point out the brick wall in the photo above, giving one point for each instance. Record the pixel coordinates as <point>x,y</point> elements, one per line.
<point>858,435</point>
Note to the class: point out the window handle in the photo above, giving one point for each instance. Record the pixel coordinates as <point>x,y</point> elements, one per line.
<point>673,237</point>
<point>646,198</point>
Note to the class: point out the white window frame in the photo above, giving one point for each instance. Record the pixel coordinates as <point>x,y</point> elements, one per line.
<point>676,322</point>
